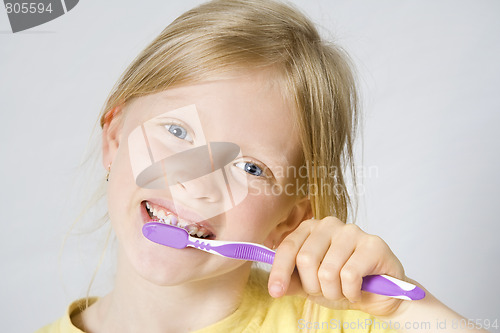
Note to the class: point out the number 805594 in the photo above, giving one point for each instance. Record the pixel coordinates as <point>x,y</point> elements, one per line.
<point>28,7</point>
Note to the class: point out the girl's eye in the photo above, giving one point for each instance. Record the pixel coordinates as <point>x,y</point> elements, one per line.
<point>179,132</point>
<point>250,168</point>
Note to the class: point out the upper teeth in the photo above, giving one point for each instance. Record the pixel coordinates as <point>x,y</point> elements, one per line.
<point>170,218</point>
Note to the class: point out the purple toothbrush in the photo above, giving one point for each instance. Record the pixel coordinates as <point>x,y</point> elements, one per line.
<point>179,238</point>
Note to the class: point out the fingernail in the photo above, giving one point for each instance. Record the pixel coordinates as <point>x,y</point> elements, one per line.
<point>276,289</point>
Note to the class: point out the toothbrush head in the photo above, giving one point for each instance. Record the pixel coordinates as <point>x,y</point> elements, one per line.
<point>166,234</point>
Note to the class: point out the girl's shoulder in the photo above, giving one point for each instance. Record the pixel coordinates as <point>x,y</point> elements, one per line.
<point>65,323</point>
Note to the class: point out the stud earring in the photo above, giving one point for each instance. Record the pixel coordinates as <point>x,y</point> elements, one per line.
<point>109,170</point>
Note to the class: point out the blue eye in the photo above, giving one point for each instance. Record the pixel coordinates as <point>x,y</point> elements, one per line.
<point>250,168</point>
<point>179,132</point>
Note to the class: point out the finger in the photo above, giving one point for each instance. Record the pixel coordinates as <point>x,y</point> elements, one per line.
<point>329,271</point>
<point>284,260</point>
<point>359,264</point>
<point>371,256</point>
<point>309,258</point>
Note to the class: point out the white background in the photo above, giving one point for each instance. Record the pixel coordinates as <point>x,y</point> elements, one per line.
<point>430,78</point>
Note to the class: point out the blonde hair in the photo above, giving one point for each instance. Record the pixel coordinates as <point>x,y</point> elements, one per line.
<point>226,35</point>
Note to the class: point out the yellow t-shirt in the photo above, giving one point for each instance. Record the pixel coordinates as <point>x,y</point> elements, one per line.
<point>259,312</point>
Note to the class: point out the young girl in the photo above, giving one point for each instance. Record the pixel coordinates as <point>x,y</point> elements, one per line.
<point>253,84</point>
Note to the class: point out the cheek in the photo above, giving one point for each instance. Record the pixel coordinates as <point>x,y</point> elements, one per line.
<point>258,215</point>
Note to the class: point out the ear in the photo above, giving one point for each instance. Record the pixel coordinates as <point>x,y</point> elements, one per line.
<point>301,211</point>
<point>111,131</point>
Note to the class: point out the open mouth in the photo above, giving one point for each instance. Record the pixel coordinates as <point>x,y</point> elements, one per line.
<point>163,215</point>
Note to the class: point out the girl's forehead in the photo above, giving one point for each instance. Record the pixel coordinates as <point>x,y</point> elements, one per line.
<point>237,90</point>
<point>247,107</point>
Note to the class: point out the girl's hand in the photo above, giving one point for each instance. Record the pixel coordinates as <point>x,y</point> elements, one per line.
<point>327,260</point>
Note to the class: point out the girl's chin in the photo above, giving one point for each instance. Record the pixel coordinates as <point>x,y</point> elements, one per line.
<point>166,277</point>
<point>166,266</point>
<point>165,271</point>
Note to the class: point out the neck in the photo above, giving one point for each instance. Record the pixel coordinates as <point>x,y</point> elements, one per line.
<point>148,307</point>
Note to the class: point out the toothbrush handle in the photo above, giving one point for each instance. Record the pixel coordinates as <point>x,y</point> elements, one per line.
<point>392,287</point>
<point>245,251</point>
<point>378,284</point>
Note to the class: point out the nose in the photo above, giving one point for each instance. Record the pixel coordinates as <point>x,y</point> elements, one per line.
<point>200,171</point>
<point>205,188</point>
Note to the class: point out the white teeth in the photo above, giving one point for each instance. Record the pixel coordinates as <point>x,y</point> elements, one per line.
<point>161,214</point>
<point>181,223</point>
<point>193,230</point>
<point>166,218</point>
